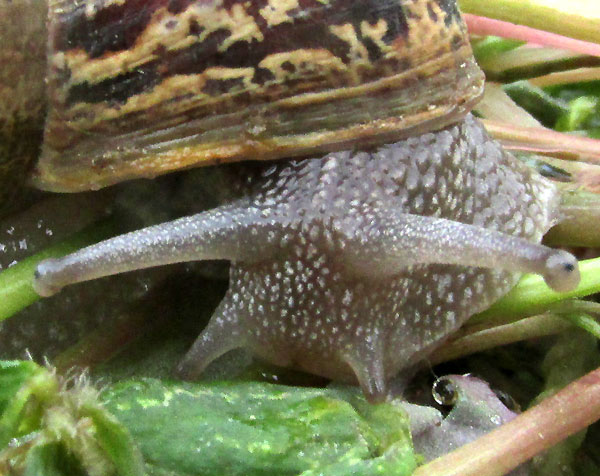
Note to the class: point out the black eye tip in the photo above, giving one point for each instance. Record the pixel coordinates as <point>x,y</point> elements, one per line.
<point>570,267</point>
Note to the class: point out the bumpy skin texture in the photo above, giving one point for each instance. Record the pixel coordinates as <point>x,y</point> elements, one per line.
<point>304,309</point>
<point>358,264</point>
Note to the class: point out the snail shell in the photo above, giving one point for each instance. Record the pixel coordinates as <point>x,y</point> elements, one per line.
<point>136,88</point>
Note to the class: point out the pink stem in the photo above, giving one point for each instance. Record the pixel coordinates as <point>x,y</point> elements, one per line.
<point>544,140</point>
<point>487,26</point>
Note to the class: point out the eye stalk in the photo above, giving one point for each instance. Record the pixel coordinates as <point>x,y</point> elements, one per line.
<point>46,277</point>
<point>562,271</point>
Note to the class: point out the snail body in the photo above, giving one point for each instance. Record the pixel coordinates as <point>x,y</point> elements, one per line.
<point>353,264</point>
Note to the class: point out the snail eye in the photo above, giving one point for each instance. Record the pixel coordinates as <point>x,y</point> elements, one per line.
<point>444,392</point>
<point>508,401</point>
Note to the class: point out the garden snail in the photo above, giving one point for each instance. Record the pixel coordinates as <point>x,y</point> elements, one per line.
<point>354,264</point>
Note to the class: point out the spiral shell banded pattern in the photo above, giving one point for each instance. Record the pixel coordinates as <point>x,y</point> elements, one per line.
<point>139,88</point>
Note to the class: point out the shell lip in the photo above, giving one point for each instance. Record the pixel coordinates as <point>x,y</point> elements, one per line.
<point>381,132</point>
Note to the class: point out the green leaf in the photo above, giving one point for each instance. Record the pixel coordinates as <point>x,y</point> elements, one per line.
<point>25,387</point>
<point>536,101</point>
<point>13,374</point>
<point>580,111</point>
<point>51,460</point>
<point>260,429</point>
<point>489,47</point>
<point>50,417</point>
<point>396,461</point>
<point>116,441</point>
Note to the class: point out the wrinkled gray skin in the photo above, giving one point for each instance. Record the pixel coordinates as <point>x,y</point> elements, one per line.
<point>477,411</point>
<point>358,264</point>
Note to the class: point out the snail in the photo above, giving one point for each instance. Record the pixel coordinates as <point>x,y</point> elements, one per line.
<point>392,216</point>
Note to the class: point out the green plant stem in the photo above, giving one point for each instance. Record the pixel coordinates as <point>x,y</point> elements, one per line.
<point>477,340</point>
<point>532,296</point>
<point>583,314</point>
<point>581,223</point>
<point>16,288</point>
<point>489,334</point>
<point>576,19</point>
<point>585,322</point>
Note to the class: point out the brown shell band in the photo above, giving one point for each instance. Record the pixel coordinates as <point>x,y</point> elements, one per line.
<point>141,88</point>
